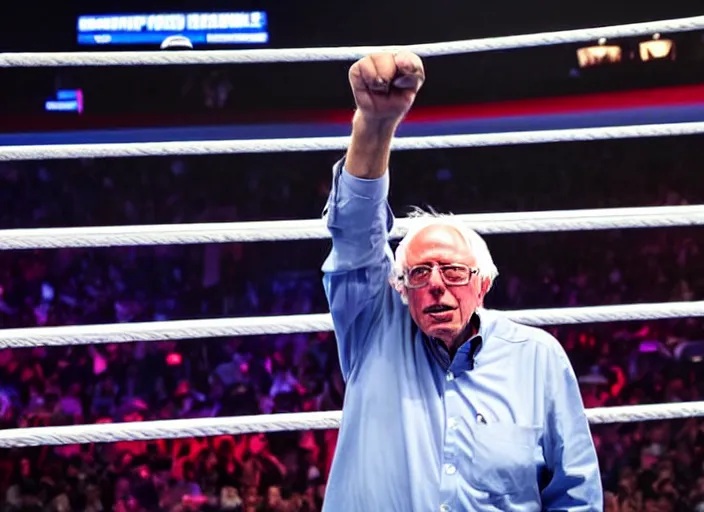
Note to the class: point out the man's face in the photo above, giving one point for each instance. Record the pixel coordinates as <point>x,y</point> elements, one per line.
<point>439,310</point>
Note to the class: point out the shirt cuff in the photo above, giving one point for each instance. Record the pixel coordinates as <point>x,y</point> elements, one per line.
<point>374,189</point>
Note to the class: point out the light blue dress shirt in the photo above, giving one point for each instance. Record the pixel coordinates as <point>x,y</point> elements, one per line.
<point>500,427</point>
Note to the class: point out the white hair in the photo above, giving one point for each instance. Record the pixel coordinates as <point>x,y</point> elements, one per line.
<point>420,219</point>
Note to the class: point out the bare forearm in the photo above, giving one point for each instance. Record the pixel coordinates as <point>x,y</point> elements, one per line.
<point>370,147</point>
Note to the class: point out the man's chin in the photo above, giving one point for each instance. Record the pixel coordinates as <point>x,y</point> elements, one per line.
<point>441,332</point>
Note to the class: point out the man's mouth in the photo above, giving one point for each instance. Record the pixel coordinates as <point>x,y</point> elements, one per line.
<point>438,308</point>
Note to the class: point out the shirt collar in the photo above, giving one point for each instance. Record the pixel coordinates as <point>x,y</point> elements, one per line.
<point>465,354</point>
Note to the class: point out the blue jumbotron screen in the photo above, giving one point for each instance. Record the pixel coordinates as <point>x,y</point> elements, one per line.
<point>201,28</point>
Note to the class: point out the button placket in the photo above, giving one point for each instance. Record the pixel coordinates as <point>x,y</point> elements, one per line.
<point>450,469</point>
<point>453,411</point>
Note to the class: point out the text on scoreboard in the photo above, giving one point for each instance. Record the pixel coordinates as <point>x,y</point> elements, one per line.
<point>198,27</point>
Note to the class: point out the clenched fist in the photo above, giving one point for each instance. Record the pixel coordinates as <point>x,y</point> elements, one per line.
<point>385,84</point>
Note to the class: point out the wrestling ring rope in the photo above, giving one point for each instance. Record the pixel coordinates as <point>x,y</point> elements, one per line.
<point>314,229</point>
<point>575,220</point>
<point>57,59</point>
<point>227,147</point>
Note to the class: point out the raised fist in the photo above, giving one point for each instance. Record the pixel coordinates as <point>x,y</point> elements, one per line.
<point>385,84</point>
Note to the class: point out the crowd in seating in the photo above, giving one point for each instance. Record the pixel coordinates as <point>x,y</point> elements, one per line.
<point>646,466</point>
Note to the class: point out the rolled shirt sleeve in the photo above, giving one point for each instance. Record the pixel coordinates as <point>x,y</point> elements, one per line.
<point>357,268</point>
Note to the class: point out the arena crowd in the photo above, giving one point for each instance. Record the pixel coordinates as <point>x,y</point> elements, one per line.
<point>647,466</point>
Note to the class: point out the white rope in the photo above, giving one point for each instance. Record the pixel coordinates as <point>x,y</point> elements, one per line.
<point>633,413</point>
<point>155,58</point>
<point>314,229</point>
<point>249,326</point>
<point>168,429</point>
<point>207,427</point>
<point>225,147</point>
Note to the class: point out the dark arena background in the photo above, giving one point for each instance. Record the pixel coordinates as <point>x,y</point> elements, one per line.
<point>655,358</point>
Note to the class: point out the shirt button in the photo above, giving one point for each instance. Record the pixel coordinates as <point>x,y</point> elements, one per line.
<point>452,423</point>
<point>450,469</point>
<point>450,377</point>
<point>444,508</point>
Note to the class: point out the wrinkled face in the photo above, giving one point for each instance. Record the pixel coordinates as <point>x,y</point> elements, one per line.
<point>439,310</point>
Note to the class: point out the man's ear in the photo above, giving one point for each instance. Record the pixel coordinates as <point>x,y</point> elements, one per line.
<point>484,289</point>
<point>400,287</point>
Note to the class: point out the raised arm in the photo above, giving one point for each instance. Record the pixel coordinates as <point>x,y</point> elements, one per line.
<point>384,87</point>
<point>357,213</point>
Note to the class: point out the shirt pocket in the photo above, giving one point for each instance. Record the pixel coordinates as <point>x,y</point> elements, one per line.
<point>504,458</point>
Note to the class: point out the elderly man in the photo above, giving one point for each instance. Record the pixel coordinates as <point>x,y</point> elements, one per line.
<point>448,406</point>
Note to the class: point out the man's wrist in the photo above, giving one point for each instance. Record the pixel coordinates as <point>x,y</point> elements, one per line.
<point>378,128</point>
<point>368,154</point>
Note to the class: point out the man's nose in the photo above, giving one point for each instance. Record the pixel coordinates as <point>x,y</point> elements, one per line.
<point>435,283</point>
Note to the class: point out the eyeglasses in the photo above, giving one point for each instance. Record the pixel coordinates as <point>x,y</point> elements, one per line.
<point>455,274</point>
